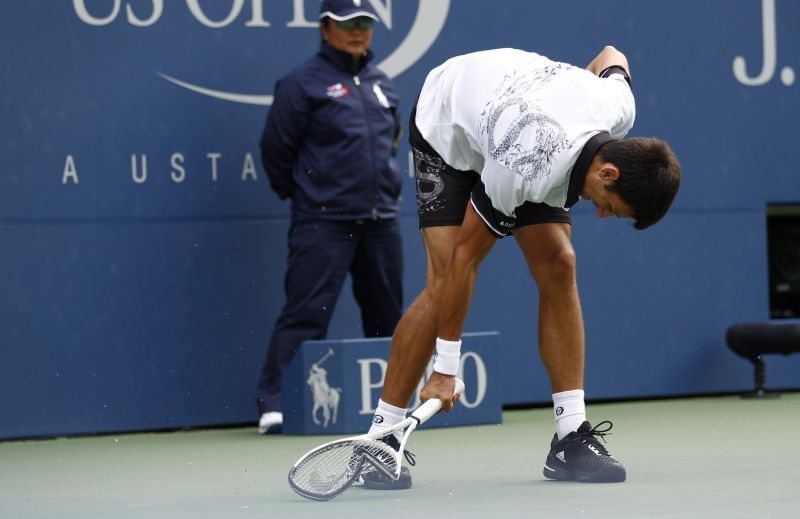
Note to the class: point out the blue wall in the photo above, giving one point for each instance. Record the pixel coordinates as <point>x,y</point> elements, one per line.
<point>130,302</point>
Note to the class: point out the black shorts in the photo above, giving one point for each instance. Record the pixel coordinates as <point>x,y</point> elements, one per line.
<point>443,193</point>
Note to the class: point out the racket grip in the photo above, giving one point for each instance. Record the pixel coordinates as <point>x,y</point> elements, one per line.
<point>434,405</point>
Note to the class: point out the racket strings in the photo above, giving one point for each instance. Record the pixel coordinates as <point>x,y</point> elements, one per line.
<point>325,473</point>
<point>327,470</point>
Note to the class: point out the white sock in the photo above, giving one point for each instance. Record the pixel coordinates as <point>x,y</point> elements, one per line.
<point>386,416</point>
<point>569,411</point>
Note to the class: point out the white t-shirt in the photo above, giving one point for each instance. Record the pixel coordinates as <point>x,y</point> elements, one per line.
<point>520,120</point>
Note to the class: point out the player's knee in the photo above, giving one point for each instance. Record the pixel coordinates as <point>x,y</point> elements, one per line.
<point>557,271</point>
<point>433,288</point>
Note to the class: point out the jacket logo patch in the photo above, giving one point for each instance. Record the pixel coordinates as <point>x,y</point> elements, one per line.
<point>338,90</point>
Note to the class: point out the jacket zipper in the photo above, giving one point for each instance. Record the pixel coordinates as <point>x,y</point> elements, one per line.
<point>357,82</point>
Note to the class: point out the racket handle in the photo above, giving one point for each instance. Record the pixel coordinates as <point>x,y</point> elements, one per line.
<point>434,405</point>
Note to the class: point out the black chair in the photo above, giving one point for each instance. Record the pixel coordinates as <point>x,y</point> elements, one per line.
<point>752,340</point>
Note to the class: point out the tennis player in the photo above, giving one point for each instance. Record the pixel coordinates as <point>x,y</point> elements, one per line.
<point>504,143</point>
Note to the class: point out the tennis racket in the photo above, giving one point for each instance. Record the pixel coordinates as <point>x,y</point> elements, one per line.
<point>328,470</point>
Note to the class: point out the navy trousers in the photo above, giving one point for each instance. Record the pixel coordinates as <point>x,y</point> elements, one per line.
<point>321,254</point>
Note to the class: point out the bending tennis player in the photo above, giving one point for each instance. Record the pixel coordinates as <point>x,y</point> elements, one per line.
<point>504,143</point>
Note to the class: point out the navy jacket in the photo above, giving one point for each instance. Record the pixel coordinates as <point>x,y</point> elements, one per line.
<point>331,137</point>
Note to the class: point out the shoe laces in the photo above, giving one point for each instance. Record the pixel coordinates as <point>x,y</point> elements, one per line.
<point>394,443</point>
<point>591,436</point>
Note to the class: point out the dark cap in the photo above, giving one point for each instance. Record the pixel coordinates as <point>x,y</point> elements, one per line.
<point>346,9</point>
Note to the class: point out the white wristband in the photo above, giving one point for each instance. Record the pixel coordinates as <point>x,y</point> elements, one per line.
<point>447,357</point>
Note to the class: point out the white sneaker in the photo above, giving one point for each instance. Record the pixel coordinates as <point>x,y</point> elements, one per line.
<point>270,423</point>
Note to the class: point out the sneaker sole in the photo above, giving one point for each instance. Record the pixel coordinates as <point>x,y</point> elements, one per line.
<point>400,484</point>
<point>272,429</point>
<point>608,474</point>
<point>384,483</point>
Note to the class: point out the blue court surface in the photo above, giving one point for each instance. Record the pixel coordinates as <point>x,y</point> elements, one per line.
<point>696,457</point>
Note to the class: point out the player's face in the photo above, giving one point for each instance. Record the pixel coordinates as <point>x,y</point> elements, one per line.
<point>597,188</point>
<point>609,203</point>
<point>353,36</point>
<point>600,177</point>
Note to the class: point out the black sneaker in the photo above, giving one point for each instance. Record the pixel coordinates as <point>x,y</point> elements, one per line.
<point>580,456</point>
<point>375,479</point>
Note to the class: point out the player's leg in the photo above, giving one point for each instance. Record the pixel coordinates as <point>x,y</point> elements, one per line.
<point>415,336</point>
<point>442,197</point>
<point>412,346</point>
<point>550,257</point>
<point>377,273</point>
<point>454,254</point>
<point>576,453</point>
<point>320,254</point>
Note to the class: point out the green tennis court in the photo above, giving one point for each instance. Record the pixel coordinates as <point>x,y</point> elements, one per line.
<point>695,457</point>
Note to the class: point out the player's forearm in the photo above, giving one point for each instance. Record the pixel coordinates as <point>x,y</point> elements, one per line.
<point>473,244</point>
<point>456,296</point>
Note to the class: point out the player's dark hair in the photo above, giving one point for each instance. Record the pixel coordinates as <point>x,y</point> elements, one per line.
<point>650,175</point>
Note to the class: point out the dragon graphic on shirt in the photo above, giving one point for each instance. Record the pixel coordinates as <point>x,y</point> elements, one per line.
<point>429,182</point>
<point>528,139</point>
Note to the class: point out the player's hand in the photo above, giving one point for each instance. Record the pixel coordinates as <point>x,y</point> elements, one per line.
<point>441,387</point>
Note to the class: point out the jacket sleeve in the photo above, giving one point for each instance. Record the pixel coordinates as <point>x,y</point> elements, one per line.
<point>283,134</point>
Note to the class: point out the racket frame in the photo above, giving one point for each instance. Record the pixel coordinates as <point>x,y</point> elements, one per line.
<point>420,415</point>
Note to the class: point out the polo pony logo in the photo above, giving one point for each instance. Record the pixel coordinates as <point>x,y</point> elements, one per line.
<point>326,398</point>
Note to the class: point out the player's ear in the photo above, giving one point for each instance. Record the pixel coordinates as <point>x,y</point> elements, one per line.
<point>609,172</point>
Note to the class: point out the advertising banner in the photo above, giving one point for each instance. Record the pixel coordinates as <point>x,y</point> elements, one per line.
<point>333,387</point>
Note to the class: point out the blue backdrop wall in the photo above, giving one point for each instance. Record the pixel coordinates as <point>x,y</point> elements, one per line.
<point>143,251</point>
